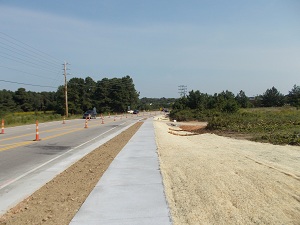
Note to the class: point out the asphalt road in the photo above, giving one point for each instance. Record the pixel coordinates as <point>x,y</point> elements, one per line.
<point>27,164</point>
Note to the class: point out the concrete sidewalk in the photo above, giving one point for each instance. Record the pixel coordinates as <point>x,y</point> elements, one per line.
<point>131,191</point>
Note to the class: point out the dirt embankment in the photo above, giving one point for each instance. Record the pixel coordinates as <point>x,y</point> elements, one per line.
<point>211,179</point>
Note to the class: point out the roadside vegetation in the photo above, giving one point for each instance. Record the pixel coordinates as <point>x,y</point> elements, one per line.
<point>22,118</point>
<point>272,125</point>
<point>271,117</point>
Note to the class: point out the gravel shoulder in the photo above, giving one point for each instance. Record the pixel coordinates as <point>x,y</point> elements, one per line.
<point>211,179</point>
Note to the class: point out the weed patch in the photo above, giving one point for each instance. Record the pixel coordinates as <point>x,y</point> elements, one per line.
<point>272,126</point>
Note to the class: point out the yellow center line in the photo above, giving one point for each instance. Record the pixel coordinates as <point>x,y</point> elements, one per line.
<point>60,134</point>
<point>14,145</point>
<point>4,145</point>
<point>30,142</point>
<point>40,131</point>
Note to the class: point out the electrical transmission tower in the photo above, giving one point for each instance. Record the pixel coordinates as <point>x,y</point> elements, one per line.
<point>182,90</point>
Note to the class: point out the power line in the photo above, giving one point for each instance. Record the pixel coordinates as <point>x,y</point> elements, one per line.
<point>58,81</point>
<point>28,55</point>
<point>25,62</point>
<point>55,82</point>
<point>17,51</point>
<point>27,73</point>
<point>36,85</point>
<point>41,53</point>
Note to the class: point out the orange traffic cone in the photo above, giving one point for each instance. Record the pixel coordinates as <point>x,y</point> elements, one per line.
<point>86,124</point>
<point>2,131</point>
<point>37,135</point>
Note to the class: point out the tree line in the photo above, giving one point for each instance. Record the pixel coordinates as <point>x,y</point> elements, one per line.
<point>202,105</point>
<point>106,95</point>
<point>119,94</point>
<point>155,103</point>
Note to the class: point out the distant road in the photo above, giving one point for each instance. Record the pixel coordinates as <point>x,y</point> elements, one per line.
<point>26,164</point>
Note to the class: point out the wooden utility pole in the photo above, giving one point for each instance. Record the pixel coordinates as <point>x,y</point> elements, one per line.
<point>66,90</point>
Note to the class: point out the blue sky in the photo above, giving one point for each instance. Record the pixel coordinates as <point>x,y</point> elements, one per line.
<point>208,46</point>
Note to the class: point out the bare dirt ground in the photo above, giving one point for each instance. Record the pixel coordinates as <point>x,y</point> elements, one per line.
<point>211,179</point>
<point>57,202</point>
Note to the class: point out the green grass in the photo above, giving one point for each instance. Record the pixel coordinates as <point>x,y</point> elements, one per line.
<point>23,118</point>
<point>272,125</point>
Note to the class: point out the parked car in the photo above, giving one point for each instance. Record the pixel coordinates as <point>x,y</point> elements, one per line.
<point>130,111</point>
<point>136,111</point>
<point>90,114</point>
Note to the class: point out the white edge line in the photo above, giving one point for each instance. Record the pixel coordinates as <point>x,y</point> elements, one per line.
<point>36,168</point>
